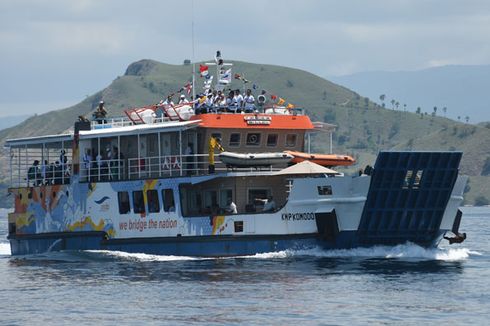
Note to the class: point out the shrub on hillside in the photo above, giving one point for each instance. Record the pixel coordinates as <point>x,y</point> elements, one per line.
<point>486,167</point>
<point>481,201</point>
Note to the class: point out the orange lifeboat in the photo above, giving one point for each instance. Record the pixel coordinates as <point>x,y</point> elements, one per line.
<point>322,159</point>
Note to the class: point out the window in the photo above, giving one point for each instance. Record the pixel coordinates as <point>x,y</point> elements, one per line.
<point>123,199</point>
<point>325,190</point>
<point>272,140</point>
<point>291,140</point>
<point>153,201</point>
<point>168,200</point>
<point>224,195</point>
<point>418,178</point>
<point>254,194</point>
<point>253,139</point>
<point>138,202</point>
<point>234,140</point>
<point>238,226</point>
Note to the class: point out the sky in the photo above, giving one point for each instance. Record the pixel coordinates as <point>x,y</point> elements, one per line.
<point>55,53</point>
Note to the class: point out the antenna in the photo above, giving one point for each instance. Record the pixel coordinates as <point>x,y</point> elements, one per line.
<point>193,55</point>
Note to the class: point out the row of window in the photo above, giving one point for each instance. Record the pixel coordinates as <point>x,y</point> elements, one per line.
<point>255,139</point>
<point>152,199</point>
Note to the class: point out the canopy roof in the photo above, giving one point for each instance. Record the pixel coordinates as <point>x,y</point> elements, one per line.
<point>306,167</point>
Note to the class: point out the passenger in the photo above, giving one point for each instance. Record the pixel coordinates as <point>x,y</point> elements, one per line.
<point>230,207</point>
<point>220,101</point>
<point>238,101</point>
<point>58,173</point>
<point>44,172</point>
<point>87,159</point>
<point>115,163</point>
<point>209,103</point>
<point>100,114</point>
<point>261,101</point>
<point>249,101</point>
<point>183,100</point>
<point>230,103</point>
<point>269,204</point>
<point>168,101</point>
<point>189,159</point>
<point>33,174</point>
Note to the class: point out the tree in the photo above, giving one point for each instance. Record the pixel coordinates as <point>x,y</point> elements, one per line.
<point>444,109</point>
<point>435,110</point>
<point>397,104</point>
<point>459,118</point>
<point>382,99</point>
<point>467,118</point>
<point>481,201</point>
<point>404,107</point>
<point>419,109</point>
<point>392,104</point>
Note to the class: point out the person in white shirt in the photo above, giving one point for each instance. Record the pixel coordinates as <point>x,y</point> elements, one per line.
<point>168,101</point>
<point>249,101</point>
<point>230,102</point>
<point>269,204</point>
<point>238,100</point>
<point>230,207</point>
<point>183,100</point>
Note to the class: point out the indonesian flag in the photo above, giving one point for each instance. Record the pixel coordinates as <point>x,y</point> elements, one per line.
<point>188,88</point>
<point>203,70</point>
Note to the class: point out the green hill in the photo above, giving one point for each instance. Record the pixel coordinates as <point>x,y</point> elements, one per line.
<point>364,127</point>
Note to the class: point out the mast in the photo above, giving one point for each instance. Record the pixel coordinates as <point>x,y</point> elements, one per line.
<point>193,55</point>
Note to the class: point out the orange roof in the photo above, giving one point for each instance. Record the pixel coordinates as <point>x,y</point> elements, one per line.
<point>254,121</point>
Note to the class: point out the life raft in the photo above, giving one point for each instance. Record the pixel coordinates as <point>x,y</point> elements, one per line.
<point>254,159</point>
<point>322,159</point>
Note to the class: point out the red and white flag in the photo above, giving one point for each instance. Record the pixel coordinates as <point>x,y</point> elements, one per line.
<point>188,88</point>
<point>203,70</point>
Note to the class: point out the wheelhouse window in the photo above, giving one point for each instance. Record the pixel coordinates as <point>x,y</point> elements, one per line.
<point>325,190</point>
<point>138,202</point>
<point>253,139</point>
<point>234,140</point>
<point>123,199</point>
<point>272,140</point>
<point>153,201</point>
<point>168,200</point>
<point>291,140</point>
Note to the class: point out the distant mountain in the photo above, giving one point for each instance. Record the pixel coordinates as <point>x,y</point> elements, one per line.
<point>363,127</point>
<point>10,121</point>
<point>464,90</point>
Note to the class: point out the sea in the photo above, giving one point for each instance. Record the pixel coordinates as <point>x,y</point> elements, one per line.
<point>405,284</point>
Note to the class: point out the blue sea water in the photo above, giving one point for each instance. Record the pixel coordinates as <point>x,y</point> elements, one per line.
<point>383,285</point>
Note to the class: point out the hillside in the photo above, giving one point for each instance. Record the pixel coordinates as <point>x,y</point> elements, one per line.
<point>462,89</point>
<point>364,128</point>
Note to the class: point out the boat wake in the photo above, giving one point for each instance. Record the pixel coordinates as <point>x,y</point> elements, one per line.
<point>4,249</point>
<point>407,251</point>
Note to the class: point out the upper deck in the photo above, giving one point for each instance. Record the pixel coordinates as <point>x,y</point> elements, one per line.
<point>124,149</point>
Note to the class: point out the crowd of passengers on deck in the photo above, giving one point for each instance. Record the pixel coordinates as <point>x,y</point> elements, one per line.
<point>46,173</point>
<point>214,101</point>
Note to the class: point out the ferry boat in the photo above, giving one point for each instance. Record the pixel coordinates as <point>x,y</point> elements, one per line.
<point>150,183</point>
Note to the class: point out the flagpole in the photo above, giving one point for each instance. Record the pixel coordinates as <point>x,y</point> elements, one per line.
<point>193,55</point>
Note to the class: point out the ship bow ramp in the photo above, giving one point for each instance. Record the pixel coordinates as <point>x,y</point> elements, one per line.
<point>412,197</point>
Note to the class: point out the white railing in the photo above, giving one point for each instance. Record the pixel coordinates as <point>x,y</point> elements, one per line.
<point>105,123</point>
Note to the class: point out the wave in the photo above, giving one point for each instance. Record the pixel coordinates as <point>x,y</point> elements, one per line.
<point>407,251</point>
<point>404,251</point>
<point>141,256</point>
<point>4,249</point>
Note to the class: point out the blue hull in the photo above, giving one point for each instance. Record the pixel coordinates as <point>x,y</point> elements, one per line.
<point>216,246</point>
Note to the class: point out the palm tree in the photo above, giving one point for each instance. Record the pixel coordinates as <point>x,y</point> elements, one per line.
<point>435,110</point>
<point>444,109</point>
<point>382,98</point>
<point>459,118</point>
<point>397,104</point>
<point>419,109</point>
<point>467,118</point>
<point>393,104</point>
<point>404,107</point>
